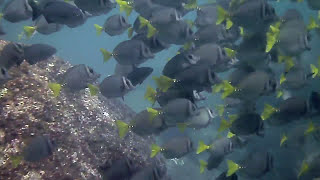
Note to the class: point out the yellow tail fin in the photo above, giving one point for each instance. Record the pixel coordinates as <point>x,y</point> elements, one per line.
<point>229,23</point>
<point>191,5</point>
<point>220,110</point>
<point>182,126</point>
<point>232,118</point>
<point>55,88</point>
<point>130,32</point>
<point>314,70</point>
<point>311,128</point>
<point>29,30</point>
<point>203,165</point>
<point>228,89</point>
<point>106,55</point>
<point>152,113</point>
<point>202,147</point>
<point>163,82</point>
<point>151,95</point>
<point>284,138</point>
<point>224,125</point>
<point>282,78</point>
<point>312,24</point>
<point>98,29</point>
<point>232,167</point>
<point>217,88</point>
<point>151,31</point>
<point>123,128</point>
<point>241,31</point>
<point>222,15</point>
<point>230,135</point>
<point>155,149</point>
<point>268,111</point>
<point>304,168</point>
<point>279,93</point>
<point>124,6</point>
<point>231,53</point>
<point>143,22</point>
<point>93,89</point>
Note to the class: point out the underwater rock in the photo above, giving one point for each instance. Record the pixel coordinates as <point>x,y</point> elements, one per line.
<point>82,126</point>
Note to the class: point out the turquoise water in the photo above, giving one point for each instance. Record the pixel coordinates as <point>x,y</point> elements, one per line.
<point>81,46</point>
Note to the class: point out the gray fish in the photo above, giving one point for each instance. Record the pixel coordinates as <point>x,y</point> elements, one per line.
<point>239,74</point>
<point>121,169</point>
<point>198,77</point>
<point>251,51</point>
<point>177,32</point>
<point>296,138</point>
<point>154,43</point>
<point>214,56</point>
<point>314,5</point>
<point>177,91</point>
<point>11,54</point>
<point>202,119</point>
<point>257,164</point>
<point>78,77</point>
<point>177,147</point>
<point>96,7</point>
<point>164,16</point>
<point>218,150</point>
<point>123,70</point>
<point>38,52</point>
<point>80,20</point>
<point>143,125</point>
<point>254,16</point>
<point>313,162</point>
<point>291,14</point>
<point>43,27</point>
<point>132,52</point>
<point>145,7</point>
<point>291,109</point>
<point>138,75</point>
<point>216,34</point>
<point>223,176</point>
<point>59,12</point>
<point>296,78</point>
<point>116,25</point>
<point>39,148</point>
<point>177,111</point>
<point>115,86</point>
<point>179,63</point>
<point>17,10</point>
<point>206,15</point>
<point>148,173</point>
<point>293,38</point>
<point>256,84</point>
<point>248,123</point>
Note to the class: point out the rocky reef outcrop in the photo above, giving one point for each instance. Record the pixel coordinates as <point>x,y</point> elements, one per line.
<point>82,126</point>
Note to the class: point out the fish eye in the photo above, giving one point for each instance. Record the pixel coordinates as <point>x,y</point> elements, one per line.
<point>90,70</point>
<point>190,56</point>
